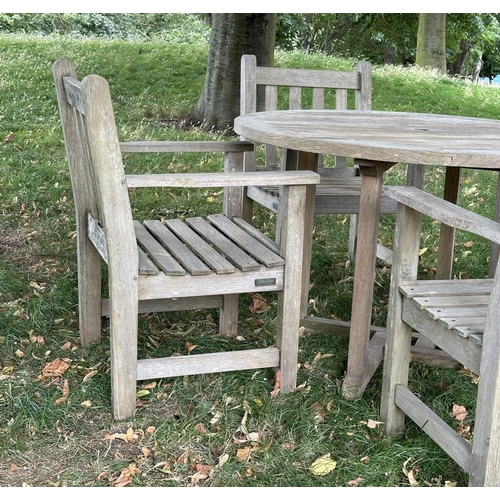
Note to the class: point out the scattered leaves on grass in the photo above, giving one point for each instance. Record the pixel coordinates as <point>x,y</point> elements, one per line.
<point>323,465</point>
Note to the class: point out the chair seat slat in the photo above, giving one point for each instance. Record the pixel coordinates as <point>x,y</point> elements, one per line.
<point>246,242</point>
<point>177,248</point>
<point>231,251</point>
<point>157,253</point>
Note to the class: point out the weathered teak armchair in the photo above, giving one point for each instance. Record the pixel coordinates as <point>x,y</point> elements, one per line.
<point>461,317</point>
<point>340,187</point>
<point>196,263</point>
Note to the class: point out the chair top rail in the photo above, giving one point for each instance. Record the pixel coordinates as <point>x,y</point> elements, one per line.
<point>293,77</point>
<point>445,212</point>
<point>219,179</point>
<point>186,147</point>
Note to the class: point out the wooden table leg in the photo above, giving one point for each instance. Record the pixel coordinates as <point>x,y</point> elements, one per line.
<point>307,161</point>
<point>361,363</point>
<point>447,233</point>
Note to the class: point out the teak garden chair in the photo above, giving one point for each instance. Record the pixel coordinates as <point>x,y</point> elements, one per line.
<point>155,266</point>
<point>461,317</point>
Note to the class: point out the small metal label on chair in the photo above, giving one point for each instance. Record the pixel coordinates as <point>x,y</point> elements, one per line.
<point>265,281</point>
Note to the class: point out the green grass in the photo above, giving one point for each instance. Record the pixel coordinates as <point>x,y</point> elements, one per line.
<point>187,426</point>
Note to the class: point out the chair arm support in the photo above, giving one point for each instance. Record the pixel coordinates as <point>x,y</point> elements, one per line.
<point>186,147</point>
<point>224,179</point>
<point>444,211</point>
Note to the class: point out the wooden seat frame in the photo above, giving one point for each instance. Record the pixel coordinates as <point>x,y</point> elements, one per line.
<point>461,317</point>
<point>146,273</point>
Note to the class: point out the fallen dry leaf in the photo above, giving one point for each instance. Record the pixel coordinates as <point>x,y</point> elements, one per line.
<point>89,375</point>
<point>200,428</point>
<point>197,477</point>
<point>277,384</point>
<point>54,369</point>
<point>222,460</point>
<point>411,474</point>
<point>183,458</point>
<point>204,468</point>
<point>258,304</point>
<point>372,424</point>
<point>458,412</point>
<point>126,476</point>
<point>128,437</point>
<point>355,482</point>
<point>243,454</point>
<point>323,465</point>
<point>9,137</point>
<point>190,347</point>
<point>65,391</point>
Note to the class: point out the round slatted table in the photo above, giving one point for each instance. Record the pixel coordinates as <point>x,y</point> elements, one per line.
<point>377,141</point>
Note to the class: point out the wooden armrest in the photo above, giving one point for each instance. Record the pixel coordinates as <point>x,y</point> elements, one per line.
<point>444,211</point>
<point>223,179</point>
<point>186,147</point>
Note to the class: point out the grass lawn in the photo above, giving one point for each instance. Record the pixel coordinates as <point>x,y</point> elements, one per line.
<point>214,430</point>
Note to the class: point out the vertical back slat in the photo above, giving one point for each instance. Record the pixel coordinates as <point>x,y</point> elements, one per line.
<point>295,98</point>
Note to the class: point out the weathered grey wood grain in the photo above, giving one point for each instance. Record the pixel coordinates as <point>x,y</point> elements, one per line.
<point>177,248</point>
<point>418,138</point>
<point>230,250</point>
<point>199,245</point>
<point>245,241</point>
<point>178,366</point>
<point>163,259</point>
<point>445,212</point>
<point>185,146</point>
<point>456,446</point>
<point>199,180</point>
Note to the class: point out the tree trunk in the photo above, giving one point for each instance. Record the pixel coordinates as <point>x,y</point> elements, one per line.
<point>456,67</point>
<point>232,36</point>
<point>477,71</point>
<point>431,42</point>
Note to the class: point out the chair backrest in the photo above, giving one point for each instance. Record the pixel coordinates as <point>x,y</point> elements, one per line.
<point>340,82</point>
<point>94,156</point>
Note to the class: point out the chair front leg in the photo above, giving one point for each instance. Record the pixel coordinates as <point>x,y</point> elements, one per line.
<point>398,340</point>
<point>293,202</point>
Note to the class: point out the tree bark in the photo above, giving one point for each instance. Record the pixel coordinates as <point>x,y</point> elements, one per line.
<point>232,36</point>
<point>431,42</point>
